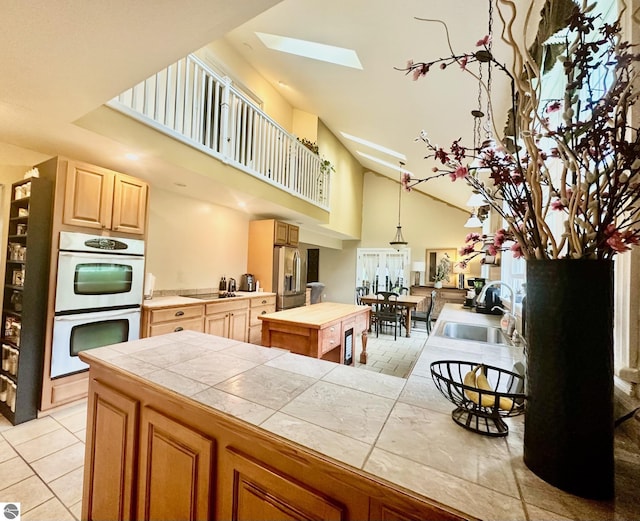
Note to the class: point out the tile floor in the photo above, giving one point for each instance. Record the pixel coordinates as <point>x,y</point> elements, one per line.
<point>41,461</point>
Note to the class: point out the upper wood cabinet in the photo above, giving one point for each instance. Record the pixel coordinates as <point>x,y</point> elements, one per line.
<point>96,197</point>
<point>285,234</point>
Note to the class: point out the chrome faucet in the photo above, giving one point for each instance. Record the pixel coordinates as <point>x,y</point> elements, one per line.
<point>481,297</point>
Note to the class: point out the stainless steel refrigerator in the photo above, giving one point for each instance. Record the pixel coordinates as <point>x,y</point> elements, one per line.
<point>289,275</point>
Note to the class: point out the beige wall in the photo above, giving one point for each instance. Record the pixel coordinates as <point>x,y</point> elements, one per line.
<point>191,244</point>
<point>346,184</point>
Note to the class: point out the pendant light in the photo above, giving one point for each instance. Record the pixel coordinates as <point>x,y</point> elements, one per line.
<point>473,222</point>
<point>398,241</point>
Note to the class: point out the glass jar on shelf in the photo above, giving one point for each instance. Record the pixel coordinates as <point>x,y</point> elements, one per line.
<point>16,301</point>
<point>4,386</point>
<point>11,396</point>
<point>6,355</point>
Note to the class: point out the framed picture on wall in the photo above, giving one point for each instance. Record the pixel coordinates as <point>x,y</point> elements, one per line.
<point>442,258</point>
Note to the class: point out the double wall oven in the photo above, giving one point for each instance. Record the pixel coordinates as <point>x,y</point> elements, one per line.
<point>98,296</point>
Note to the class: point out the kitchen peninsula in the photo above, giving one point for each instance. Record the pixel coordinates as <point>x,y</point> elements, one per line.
<point>193,426</point>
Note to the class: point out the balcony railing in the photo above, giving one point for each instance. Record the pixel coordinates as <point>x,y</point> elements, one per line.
<point>190,102</point>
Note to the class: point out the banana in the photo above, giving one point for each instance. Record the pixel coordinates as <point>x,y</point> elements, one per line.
<point>506,404</point>
<point>470,381</point>
<point>484,385</point>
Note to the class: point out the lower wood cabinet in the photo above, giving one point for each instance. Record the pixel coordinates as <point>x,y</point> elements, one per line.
<point>111,453</point>
<point>175,469</point>
<point>262,492</point>
<point>153,454</point>
<point>259,306</point>
<point>228,319</point>
<point>171,319</point>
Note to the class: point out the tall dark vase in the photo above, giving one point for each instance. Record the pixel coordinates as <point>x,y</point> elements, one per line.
<point>568,436</point>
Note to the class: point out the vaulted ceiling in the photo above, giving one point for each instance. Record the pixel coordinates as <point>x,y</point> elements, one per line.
<point>61,60</point>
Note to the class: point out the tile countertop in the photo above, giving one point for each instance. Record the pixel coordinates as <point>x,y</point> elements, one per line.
<point>400,430</point>
<point>177,300</point>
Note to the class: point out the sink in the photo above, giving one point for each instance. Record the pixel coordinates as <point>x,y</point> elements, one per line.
<point>473,332</point>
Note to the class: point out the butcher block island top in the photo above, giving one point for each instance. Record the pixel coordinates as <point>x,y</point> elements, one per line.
<point>325,330</point>
<point>316,315</point>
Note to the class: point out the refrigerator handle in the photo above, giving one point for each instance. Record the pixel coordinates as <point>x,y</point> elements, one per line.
<point>296,270</point>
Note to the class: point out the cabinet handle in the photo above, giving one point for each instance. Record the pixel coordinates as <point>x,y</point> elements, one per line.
<point>263,312</point>
<point>179,313</point>
<point>264,301</point>
<point>179,328</point>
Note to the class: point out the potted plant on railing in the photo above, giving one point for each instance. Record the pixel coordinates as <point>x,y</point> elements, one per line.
<point>578,158</point>
<point>325,165</point>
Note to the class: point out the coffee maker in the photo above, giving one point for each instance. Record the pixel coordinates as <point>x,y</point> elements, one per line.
<point>247,282</point>
<point>477,284</point>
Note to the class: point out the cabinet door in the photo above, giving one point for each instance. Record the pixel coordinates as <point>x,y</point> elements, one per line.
<point>175,471</point>
<point>191,324</point>
<point>408,510</point>
<point>239,325</point>
<point>109,481</point>
<point>217,324</point>
<point>281,233</point>
<point>293,235</point>
<point>261,492</point>
<point>129,204</point>
<point>88,196</point>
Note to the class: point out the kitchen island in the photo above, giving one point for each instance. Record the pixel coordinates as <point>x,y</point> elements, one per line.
<point>189,425</point>
<point>325,330</point>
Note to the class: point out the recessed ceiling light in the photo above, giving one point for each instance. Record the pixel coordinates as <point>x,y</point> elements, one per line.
<point>383,162</point>
<point>313,50</point>
<point>375,146</point>
<point>132,156</point>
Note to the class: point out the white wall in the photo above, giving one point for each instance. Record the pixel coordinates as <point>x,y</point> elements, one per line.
<point>191,244</point>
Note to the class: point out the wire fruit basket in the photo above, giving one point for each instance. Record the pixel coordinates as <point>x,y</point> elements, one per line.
<point>480,408</point>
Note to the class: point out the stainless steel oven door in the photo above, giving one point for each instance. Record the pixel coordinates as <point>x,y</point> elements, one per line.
<point>97,280</point>
<point>75,333</point>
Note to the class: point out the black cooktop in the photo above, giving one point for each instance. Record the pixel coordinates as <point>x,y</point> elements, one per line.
<point>211,296</point>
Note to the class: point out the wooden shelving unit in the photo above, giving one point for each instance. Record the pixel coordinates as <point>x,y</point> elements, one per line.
<point>24,309</point>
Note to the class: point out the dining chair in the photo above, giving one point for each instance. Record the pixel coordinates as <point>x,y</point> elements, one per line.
<point>387,311</point>
<point>425,316</point>
<point>361,291</point>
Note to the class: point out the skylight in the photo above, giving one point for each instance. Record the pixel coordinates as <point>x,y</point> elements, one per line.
<point>375,146</point>
<point>382,162</point>
<point>313,50</point>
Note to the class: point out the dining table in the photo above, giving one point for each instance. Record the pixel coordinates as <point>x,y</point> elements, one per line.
<point>407,302</point>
